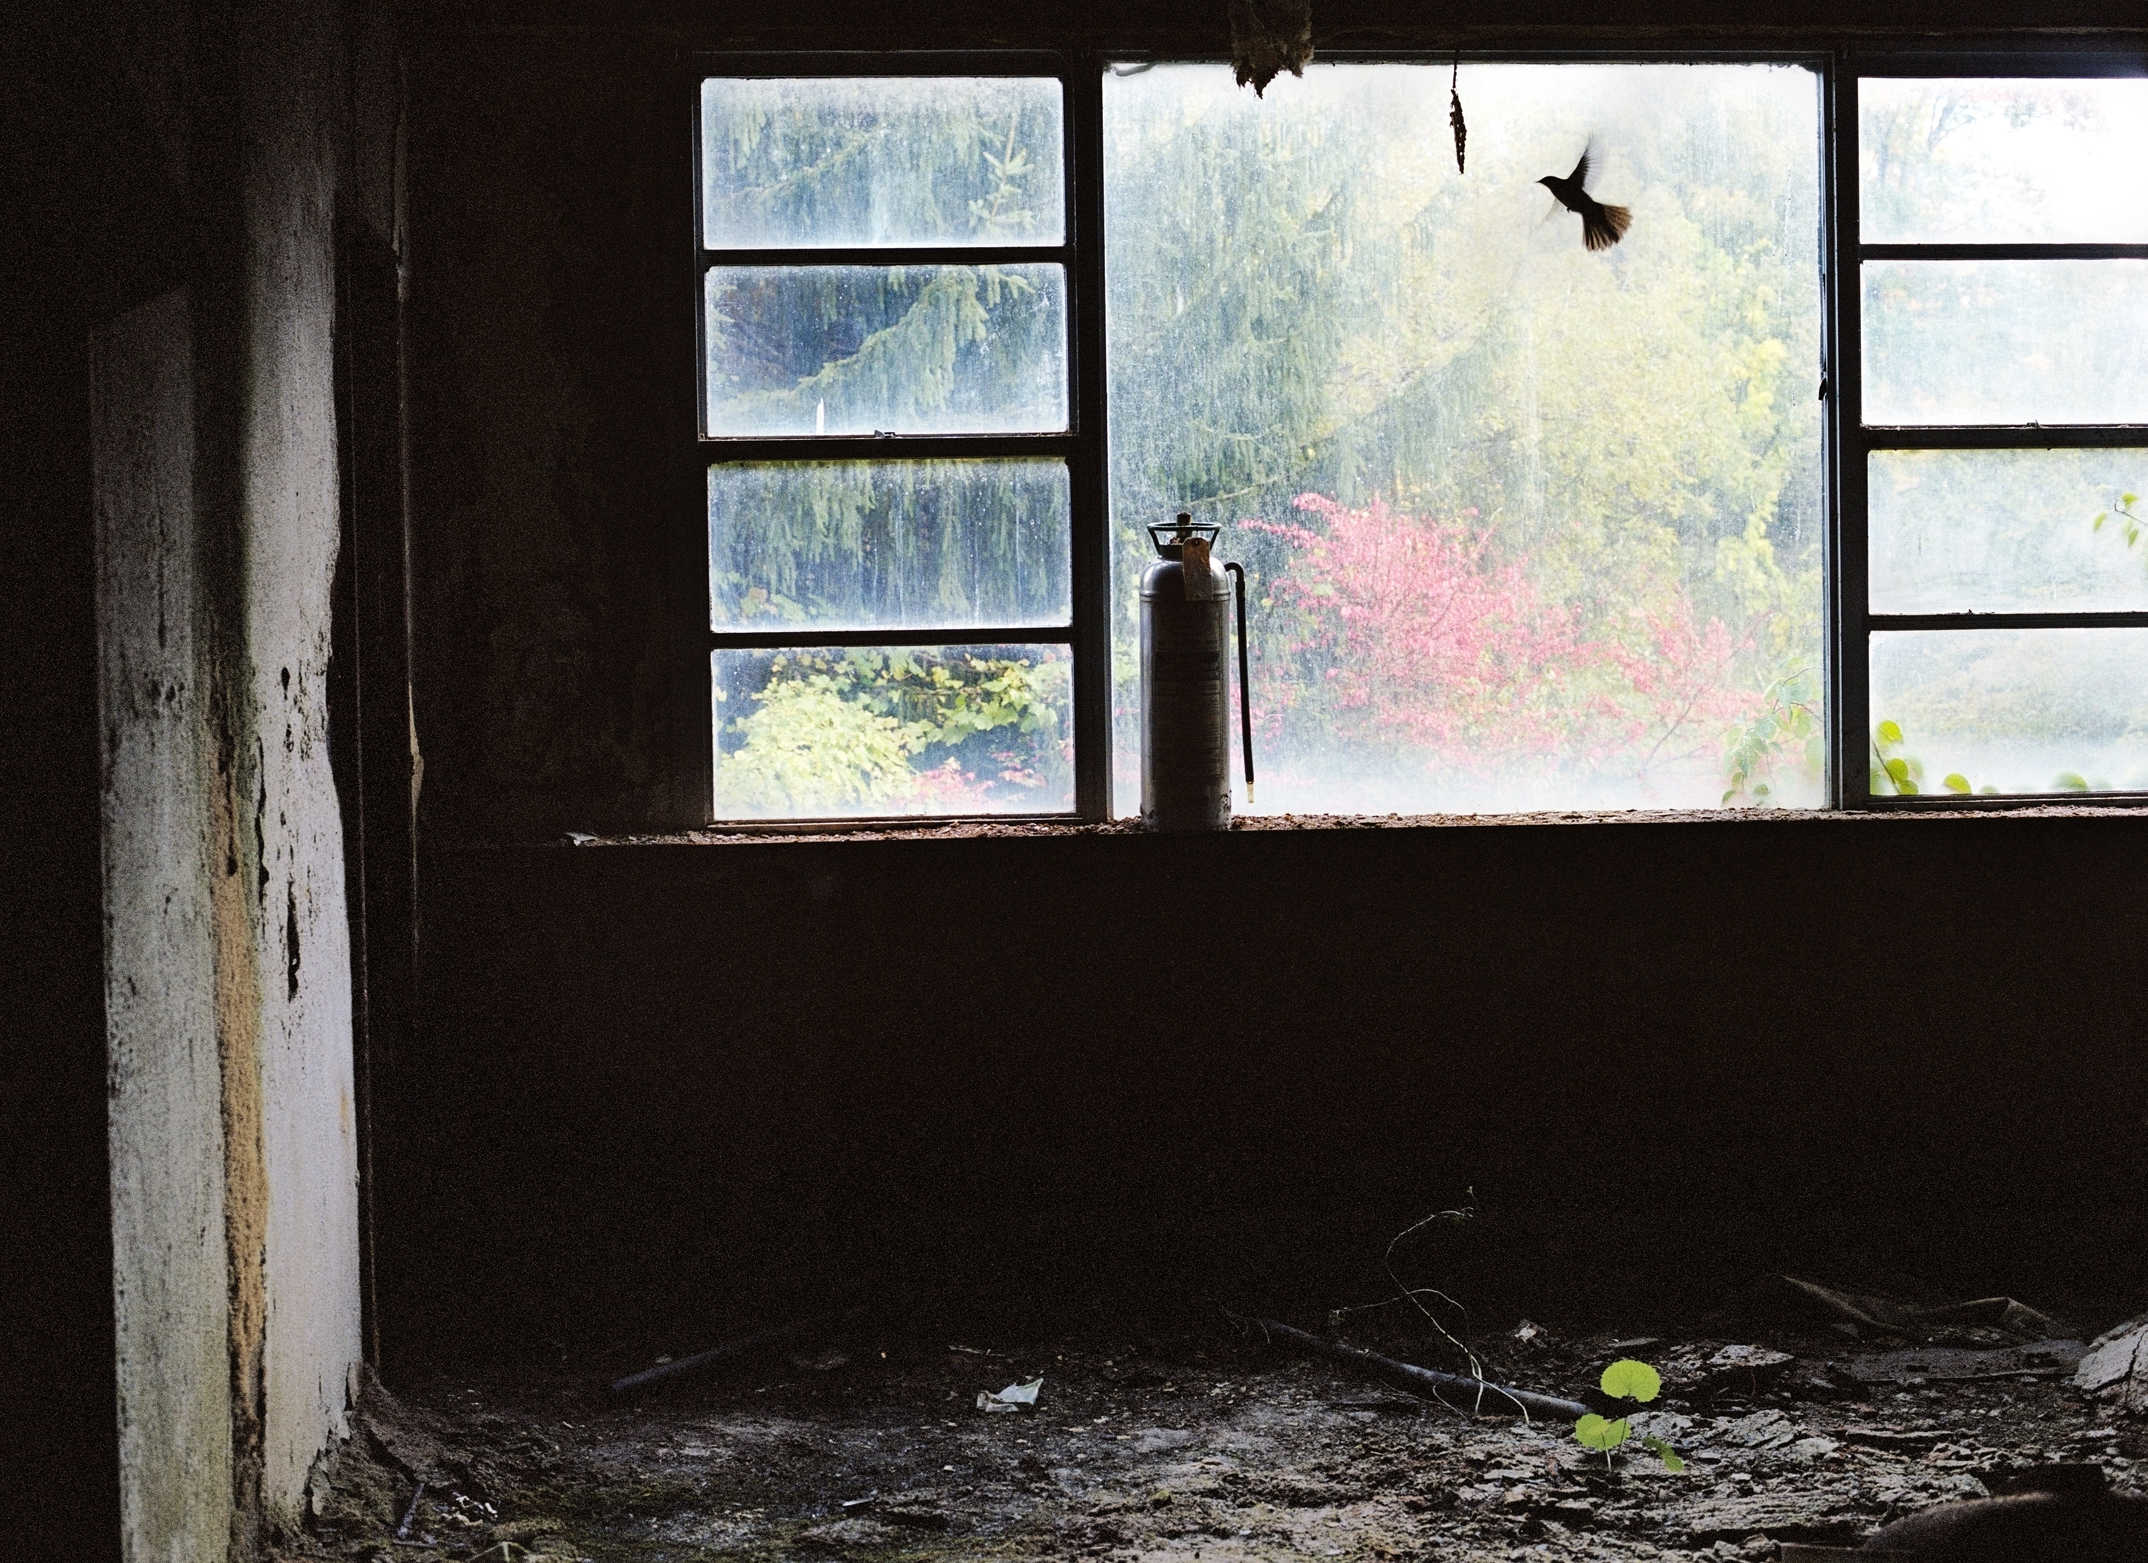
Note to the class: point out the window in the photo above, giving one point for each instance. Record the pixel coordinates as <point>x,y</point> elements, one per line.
<point>1996,617</point>
<point>889,428</point>
<point>1529,525</point>
<point>1672,523</point>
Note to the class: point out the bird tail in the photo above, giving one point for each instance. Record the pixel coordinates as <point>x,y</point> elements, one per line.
<point>1605,226</point>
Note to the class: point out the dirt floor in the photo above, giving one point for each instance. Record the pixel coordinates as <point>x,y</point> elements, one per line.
<point>870,1443</point>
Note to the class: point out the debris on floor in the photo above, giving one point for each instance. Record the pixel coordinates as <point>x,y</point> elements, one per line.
<point>1210,1446</point>
<point>1015,1397</point>
<point>2115,1367</point>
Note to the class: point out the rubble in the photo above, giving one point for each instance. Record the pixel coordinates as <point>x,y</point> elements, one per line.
<point>1197,1446</point>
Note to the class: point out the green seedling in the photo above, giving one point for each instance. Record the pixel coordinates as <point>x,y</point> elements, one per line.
<point>1903,774</point>
<point>1626,1379</point>
<point>2125,513</point>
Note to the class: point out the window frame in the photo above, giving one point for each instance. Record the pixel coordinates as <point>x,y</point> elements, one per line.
<point>1846,441</point>
<point>1851,441</point>
<point>1081,445</point>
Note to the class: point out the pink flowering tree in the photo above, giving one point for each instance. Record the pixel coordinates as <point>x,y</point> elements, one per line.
<point>1404,635</point>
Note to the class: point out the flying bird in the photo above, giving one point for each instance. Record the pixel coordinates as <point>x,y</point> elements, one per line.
<point>1601,226</point>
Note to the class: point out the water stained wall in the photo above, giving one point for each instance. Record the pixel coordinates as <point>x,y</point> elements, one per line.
<point>228,988</point>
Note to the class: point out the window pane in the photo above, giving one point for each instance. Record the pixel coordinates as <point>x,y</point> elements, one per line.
<point>1964,161</point>
<point>1969,342</point>
<point>888,544</point>
<point>858,161</point>
<point>887,349</point>
<point>2006,531</point>
<point>2011,710</point>
<point>865,732</point>
<point>1527,525</point>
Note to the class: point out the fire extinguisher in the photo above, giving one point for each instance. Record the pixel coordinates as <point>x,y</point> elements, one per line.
<point>1185,681</point>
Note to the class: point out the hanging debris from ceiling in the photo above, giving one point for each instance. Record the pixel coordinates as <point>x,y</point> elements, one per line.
<point>1454,114</point>
<point>1269,36</point>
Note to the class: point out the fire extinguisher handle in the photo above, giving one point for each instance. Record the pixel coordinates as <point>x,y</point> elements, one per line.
<point>1245,711</point>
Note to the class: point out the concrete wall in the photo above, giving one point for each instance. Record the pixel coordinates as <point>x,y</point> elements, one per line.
<point>293,139</point>
<point>170,1270</point>
<point>233,1132</point>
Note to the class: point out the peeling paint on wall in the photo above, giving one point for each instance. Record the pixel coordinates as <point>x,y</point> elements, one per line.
<point>165,1060</point>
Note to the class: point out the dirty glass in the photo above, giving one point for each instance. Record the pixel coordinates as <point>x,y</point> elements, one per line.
<point>886,349</point>
<point>1527,526</point>
<point>2007,531</point>
<point>859,732</point>
<point>2005,342</point>
<point>867,161</point>
<point>888,544</point>
<point>2009,711</point>
<point>1983,161</point>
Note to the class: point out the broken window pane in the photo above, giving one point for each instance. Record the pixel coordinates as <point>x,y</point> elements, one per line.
<point>861,732</point>
<point>886,349</point>
<point>2006,531</point>
<point>859,161</point>
<point>2010,711</point>
<point>2005,342</point>
<point>1985,161</point>
<point>1527,525</point>
<point>888,544</point>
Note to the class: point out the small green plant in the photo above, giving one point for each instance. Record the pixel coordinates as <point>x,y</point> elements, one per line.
<point>1902,774</point>
<point>2124,511</point>
<point>1786,729</point>
<point>1626,1379</point>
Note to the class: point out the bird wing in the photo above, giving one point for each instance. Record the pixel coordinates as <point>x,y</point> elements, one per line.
<point>1580,175</point>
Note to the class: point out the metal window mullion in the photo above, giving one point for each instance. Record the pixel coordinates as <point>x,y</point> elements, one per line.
<point>725,449</point>
<point>2085,619</point>
<point>2002,252</point>
<point>2006,436</point>
<point>2086,58</point>
<point>689,590</point>
<point>1849,670</point>
<point>916,255</point>
<point>821,63</point>
<point>1089,462</point>
<point>906,635</point>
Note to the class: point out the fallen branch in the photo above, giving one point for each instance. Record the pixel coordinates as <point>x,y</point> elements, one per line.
<point>739,1346</point>
<point>1406,1375</point>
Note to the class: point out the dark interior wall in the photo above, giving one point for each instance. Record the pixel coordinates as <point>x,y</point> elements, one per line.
<point>550,413</point>
<point>81,178</point>
<point>56,1359</point>
<point>1140,1071</point>
<point>1678,1051</point>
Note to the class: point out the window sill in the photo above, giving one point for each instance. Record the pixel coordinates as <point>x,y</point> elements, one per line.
<point>968,830</point>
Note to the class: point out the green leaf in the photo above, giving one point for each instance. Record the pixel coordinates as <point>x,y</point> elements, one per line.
<point>1628,1379</point>
<point>1908,789</point>
<point>1597,1433</point>
<point>1663,1452</point>
<point>1890,733</point>
<point>2128,501</point>
<point>2072,781</point>
<point>1898,768</point>
<point>2101,517</point>
<point>1956,782</point>
<point>1987,792</point>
